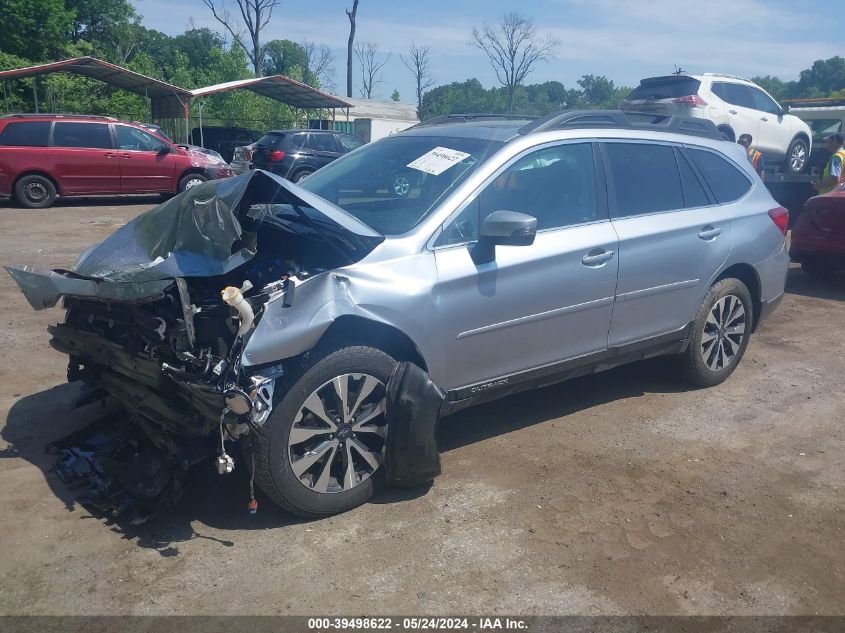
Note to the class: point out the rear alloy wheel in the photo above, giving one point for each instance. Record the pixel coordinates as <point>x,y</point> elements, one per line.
<point>190,181</point>
<point>796,156</point>
<point>35,192</point>
<point>301,175</point>
<point>721,333</point>
<point>323,447</point>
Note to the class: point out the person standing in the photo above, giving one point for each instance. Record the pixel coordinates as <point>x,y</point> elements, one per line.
<point>755,156</point>
<point>833,173</point>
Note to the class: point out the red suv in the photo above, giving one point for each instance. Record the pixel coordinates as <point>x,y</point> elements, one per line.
<point>42,156</point>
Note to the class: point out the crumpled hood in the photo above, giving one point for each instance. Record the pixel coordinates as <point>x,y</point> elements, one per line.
<point>196,234</point>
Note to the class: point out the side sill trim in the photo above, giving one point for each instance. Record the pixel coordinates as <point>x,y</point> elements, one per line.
<point>656,290</point>
<point>671,343</point>
<point>578,307</point>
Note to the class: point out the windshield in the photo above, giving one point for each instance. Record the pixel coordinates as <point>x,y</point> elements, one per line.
<point>823,127</point>
<point>394,183</point>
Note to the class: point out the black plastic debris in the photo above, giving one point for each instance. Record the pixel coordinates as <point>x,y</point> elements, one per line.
<point>115,471</point>
<point>413,413</point>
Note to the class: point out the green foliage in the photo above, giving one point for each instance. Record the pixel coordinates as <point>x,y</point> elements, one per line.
<point>395,95</point>
<point>533,100</point>
<point>34,29</point>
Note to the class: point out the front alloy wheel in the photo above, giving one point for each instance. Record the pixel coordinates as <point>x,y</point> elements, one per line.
<point>401,185</point>
<point>323,448</point>
<point>797,156</point>
<point>337,439</point>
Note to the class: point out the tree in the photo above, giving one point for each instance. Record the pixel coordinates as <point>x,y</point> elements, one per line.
<point>418,63</point>
<point>256,15</point>
<point>823,78</point>
<point>513,49</point>
<point>367,52</point>
<point>34,29</point>
<point>352,15</point>
<point>319,65</point>
<point>283,57</point>
<point>395,95</point>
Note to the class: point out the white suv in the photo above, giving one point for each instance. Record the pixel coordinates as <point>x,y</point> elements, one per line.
<point>737,106</point>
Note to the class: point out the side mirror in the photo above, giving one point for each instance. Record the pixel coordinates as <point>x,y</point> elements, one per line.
<point>165,149</point>
<point>505,228</point>
<point>784,109</point>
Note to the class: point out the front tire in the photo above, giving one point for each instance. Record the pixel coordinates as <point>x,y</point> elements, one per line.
<point>301,174</point>
<point>35,192</point>
<point>322,449</point>
<point>721,332</point>
<point>796,156</point>
<point>191,180</point>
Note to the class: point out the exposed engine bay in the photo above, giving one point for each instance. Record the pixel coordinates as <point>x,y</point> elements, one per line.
<point>157,317</point>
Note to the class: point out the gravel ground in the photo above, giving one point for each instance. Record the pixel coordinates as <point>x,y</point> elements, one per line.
<point>620,493</point>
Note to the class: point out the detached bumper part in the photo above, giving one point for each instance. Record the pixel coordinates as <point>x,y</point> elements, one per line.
<point>413,412</point>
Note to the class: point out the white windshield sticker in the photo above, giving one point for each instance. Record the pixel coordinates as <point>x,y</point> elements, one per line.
<point>437,160</point>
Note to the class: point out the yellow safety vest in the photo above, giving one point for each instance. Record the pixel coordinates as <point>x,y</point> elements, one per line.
<point>826,173</point>
<point>754,155</point>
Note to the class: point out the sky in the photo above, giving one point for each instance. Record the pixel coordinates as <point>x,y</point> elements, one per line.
<point>625,40</point>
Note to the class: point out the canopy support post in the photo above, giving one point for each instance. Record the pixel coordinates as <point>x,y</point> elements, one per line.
<point>35,92</point>
<point>201,104</point>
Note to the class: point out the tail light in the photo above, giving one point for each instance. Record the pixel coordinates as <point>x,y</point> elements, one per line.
<point>249,153</point>
<point>780,217</point>
<point>690,100</point>
<point>276,155</point>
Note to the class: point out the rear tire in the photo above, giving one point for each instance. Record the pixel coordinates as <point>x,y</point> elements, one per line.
<point>721,332</point>
<point>35,192</point>
<point>327,486</point>
<point>191,180</point>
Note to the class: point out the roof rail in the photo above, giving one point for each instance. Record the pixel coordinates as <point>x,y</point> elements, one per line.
<point>618,120</point>
<point>59,116</point>
<point>726,76</point>
<point>464,118</point>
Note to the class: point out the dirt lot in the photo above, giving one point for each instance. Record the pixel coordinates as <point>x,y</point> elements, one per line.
<point>617,493</point>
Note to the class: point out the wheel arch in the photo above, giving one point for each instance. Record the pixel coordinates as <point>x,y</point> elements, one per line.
<point>747,275</point>
<point>727,129</point>
<point>37,172</point>
<point>360,330</point>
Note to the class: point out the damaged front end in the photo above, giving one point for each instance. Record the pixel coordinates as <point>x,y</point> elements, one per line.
<point>158,315</point>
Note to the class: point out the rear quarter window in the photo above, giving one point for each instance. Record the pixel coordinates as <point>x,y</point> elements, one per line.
<point>270,141</point>
<point>725,180</point>
<point>25,134</point>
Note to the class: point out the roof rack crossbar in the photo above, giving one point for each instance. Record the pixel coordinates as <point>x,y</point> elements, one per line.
<point>616,119</point>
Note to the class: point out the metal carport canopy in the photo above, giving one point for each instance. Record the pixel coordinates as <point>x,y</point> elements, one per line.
<point>280,88</point>
<point>167,101</point>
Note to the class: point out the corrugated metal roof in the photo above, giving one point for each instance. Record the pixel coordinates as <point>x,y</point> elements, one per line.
<point>377,109</point>
<point>280,88</point>
<point>168,101</point>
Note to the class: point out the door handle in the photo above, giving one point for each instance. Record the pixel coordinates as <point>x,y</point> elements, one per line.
<point>709,233</point>
<point>732,111</point>
<point>762,118</point>
<point>597,257</point>
<point>126,155</point>
<point>109,154</point>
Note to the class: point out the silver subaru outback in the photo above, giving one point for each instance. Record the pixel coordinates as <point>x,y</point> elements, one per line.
<point>324,327</point>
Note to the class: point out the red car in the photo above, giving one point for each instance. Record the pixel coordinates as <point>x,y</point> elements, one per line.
<point>44,156</point>
<point>818,237</point>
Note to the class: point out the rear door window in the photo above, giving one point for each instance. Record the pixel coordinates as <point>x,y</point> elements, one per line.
<point>299,140</point>
<point>665,88</point>
<point>735,94</point>
<point>645,178</point>
<point>26,134</point>
<point>725,180</point>
<point>322,143</point>
<point>90,135</point>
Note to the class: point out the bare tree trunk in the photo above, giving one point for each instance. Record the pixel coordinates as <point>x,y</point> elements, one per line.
<point>256,15</point>
<point>418,63</point>
<point>349,46</point>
